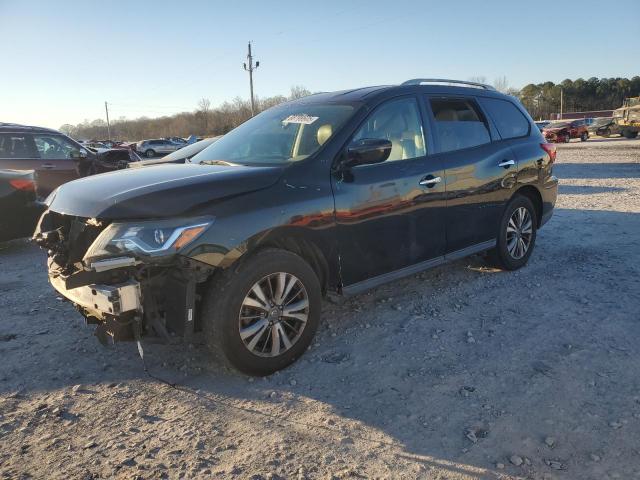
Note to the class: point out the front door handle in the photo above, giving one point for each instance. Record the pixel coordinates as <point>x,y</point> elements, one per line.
<point>506,163</point>
<point>47,166</point>
<point>430,181</point>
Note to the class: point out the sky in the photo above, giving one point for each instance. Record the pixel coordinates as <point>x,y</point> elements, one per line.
<point>61,60</point>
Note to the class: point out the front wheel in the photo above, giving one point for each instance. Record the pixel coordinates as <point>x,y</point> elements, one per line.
<point>150,153</point>
<point>262,314</point>
<point>584,137</point>
<point>517,234</point>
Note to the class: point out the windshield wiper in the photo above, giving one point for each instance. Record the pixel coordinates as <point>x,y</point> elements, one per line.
<point>218,162</point>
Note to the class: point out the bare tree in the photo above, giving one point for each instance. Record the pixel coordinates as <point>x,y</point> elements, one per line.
<point>478,79</point>
<point>204,106</point>
<point>298,91</point>
<point>501,84</point>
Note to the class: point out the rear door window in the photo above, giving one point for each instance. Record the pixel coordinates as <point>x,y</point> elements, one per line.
<point>459,123</point>
<point>15,146</point>
<point>508,119</point>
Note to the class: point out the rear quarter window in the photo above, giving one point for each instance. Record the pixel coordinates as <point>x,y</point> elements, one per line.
<point>508,119</point>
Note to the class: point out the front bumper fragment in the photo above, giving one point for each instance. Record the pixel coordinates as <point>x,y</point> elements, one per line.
<point>101,300</point>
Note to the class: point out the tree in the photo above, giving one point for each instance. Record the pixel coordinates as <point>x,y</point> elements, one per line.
<point>204,105</point>
<point>501,84</point>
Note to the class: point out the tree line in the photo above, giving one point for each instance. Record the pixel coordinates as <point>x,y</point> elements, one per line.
<point>541,100</point>
<point>203,121</point>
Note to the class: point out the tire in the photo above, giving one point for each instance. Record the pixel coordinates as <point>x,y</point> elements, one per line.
<point>232,294</point>
<point>606,133</point>
<point>584,137</point>
<point>629,134</point>
<point>567,138</point>
<point>502,255</point>
<point>149,153</point>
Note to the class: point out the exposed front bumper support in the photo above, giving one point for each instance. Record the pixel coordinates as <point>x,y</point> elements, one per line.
<point>101,300</point>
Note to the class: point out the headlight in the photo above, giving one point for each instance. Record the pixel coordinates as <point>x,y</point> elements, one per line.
<point>152,238</point>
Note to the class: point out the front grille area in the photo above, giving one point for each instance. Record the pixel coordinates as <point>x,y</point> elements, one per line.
<point>67,238</point>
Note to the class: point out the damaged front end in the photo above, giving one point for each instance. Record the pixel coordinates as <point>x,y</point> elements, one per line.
<point>128,278</point>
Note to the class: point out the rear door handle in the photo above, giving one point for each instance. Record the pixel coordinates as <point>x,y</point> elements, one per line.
<point>507,163</point>
<point>47,166</point>
<point>430,181</point>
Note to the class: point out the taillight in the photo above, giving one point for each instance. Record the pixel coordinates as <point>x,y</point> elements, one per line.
<point>550,148</point>
<point>22,184</point>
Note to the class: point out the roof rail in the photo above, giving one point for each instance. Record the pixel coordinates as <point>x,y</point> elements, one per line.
<point>445,81</point>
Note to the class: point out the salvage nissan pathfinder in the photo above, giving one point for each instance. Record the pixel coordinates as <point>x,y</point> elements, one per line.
<point>331,194</point>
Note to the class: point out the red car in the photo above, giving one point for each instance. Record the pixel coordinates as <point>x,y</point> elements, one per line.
<point>564,131</point>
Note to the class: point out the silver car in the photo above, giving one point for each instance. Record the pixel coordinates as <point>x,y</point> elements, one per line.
<point>151,148</point>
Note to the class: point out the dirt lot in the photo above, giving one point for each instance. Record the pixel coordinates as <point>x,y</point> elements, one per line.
<point>461,372</point>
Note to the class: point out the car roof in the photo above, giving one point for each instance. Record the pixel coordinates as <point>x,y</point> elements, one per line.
<point>17,128</point>
<point>436,86</point>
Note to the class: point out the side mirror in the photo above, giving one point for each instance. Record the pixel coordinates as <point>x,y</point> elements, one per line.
<point>367,151</point>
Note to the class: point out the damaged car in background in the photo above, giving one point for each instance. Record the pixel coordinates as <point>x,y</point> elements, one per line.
<point>55,158</point>
<point>331,194</point>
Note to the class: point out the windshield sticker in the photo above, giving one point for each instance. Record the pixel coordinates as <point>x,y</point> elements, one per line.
<point>302,118</point>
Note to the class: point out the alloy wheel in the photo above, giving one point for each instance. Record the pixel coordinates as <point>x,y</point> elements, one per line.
<point>273,314</point>
<point>519,233</point>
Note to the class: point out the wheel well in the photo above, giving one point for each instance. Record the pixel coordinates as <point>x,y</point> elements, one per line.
<point>532,194</point>
<point>306,249</point>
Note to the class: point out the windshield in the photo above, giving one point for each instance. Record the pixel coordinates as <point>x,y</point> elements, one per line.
<point>602,121</point>
<point>286,133</point>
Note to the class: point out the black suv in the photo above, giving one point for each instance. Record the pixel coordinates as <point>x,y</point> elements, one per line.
<point>331,194</point>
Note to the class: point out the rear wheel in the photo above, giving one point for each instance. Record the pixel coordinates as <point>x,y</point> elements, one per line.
<point>150,153</point>
<point>567,138</point>
<point>263,314</point>
<point>517,234</point>
<point>629,134</point>
<point>584,137</point>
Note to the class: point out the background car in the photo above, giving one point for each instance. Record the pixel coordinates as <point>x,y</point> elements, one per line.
<point>179,156</point>
<point>610,128</point>
<point>564,131</point>
<point>154,147</point>
<point>52,156</point>
<point>597,123</point>
<point>542,123</point>
<point>19,211</point>
<point>178,140</point>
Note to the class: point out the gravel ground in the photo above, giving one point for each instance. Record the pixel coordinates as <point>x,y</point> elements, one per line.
<point>462,372</point>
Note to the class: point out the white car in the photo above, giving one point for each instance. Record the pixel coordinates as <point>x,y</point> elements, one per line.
<point>152,148</point>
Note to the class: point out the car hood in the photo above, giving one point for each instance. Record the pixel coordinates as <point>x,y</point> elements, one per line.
<point>157,191</point>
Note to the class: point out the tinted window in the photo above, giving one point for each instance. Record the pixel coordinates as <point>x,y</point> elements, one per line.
<point>459,124</point>
<point>56,147</point>
<point>286,133</point>
<point>16,146</point>
<point>399,122</point>
<point>508,118</point>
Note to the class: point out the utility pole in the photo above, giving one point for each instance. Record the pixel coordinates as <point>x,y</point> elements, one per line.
<point>250,67</point>
<point>561,101</point>
<point>106,109</point>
